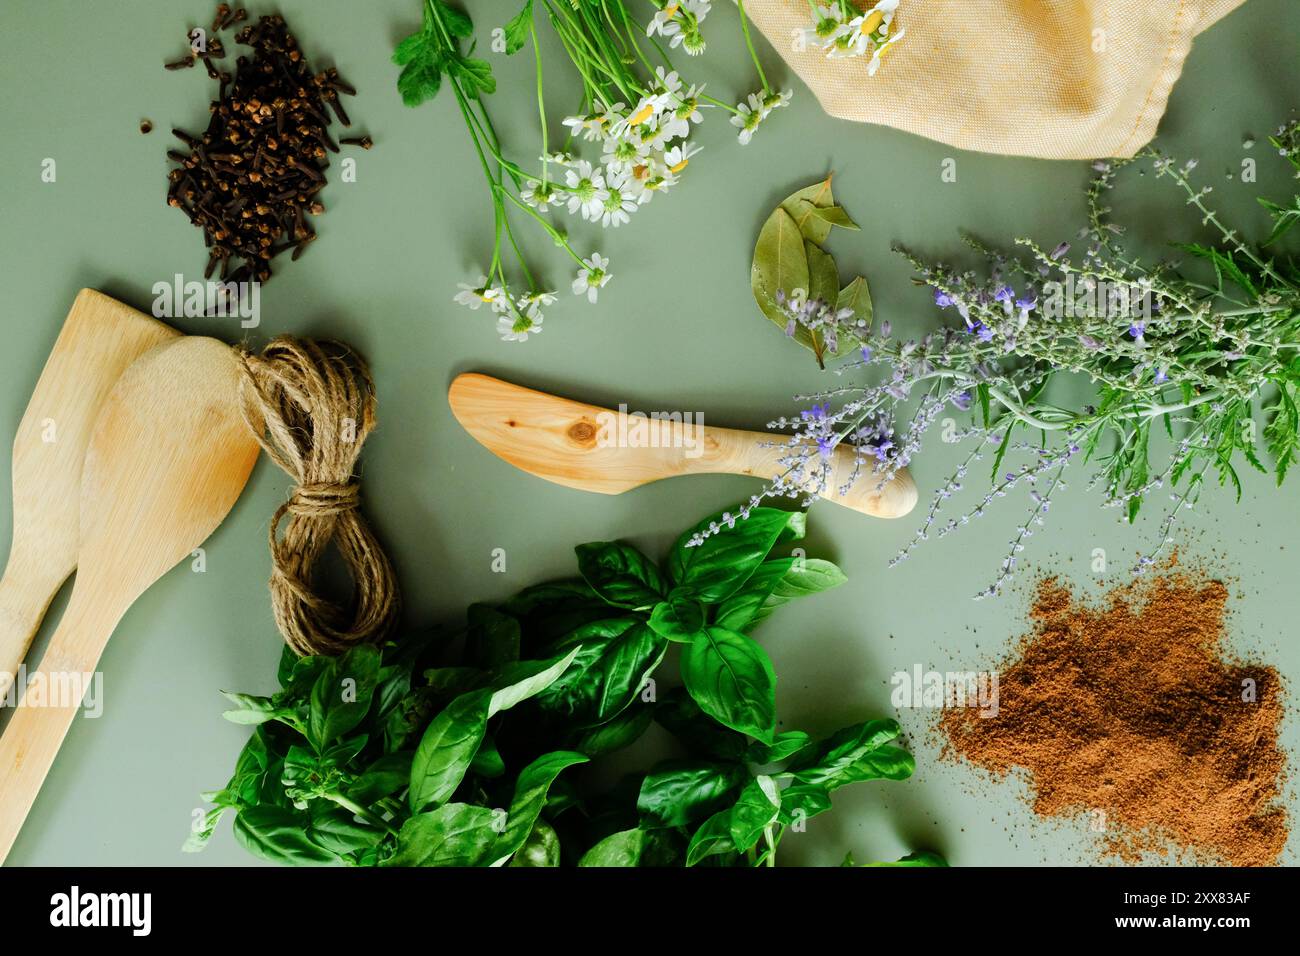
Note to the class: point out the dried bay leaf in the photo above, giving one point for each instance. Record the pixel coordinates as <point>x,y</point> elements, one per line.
<point>780,263</point>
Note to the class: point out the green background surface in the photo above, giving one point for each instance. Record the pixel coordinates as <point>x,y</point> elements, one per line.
<point>675,329</point>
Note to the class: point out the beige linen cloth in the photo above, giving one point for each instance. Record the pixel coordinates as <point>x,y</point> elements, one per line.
<point>1057,79</point>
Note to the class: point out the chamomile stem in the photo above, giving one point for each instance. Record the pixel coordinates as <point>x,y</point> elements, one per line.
<point>749,42</point>
<point>541,101</point>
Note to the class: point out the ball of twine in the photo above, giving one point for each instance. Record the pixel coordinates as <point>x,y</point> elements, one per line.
<point>311,405</point>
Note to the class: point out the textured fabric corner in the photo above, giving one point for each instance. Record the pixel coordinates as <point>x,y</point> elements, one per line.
<point>1054,79</point>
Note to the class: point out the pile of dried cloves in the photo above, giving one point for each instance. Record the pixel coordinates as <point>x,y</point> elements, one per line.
<point>252,179</point>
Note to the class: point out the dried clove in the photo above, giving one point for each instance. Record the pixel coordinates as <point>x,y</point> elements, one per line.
<point>253,176</point>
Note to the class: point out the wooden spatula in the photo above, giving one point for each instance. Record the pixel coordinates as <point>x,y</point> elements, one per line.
<point>168,456</point>
<point>100,338</point>
<point>583,446</point>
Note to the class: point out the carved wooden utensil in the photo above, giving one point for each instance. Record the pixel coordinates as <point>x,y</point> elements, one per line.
<point>100,338</point>
<point>570,444</point>
<point>168,457</point>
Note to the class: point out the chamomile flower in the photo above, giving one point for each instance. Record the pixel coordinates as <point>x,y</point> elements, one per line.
<point>532,303</point>
<point>542,195</point>
<point>666,86</point>
<point>774,101</point>
<point>874,64</point>
<point>622,153</point>
<point>589,127</point>
<point>480,293</point>
<point>620,202</point>
<point>518,328</point>
<point>592,276</point>
<point>664,21</point>
<point>749,114</point>
<point>676,158</point>
<point>586,189</point>
<point>825,26</point>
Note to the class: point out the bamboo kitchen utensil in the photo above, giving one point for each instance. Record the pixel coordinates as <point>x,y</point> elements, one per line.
<point>100,338</point>
<point>168,456</point>
<point>561,441</point>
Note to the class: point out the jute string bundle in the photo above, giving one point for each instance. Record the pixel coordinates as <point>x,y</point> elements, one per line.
<point>1058,79</point>
<point>311,405</point>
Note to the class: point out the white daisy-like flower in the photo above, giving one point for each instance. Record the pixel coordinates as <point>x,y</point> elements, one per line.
<point>586,189</point>
<point>622,153</point>
<point>664,22</point>
<point>667,85</point>
<point>775,100</point>
<point>676,158</point>
<point>517,329</point>
<point>649,179</point>
<point>542,195</point>
<point>826,23</point>
<point>593,275</point>
<point>532,303</point>
<point>749,115</point>
<point>874,65</point>
<point>620,202</point>
<point>480,293</point>
<point>645,111</point>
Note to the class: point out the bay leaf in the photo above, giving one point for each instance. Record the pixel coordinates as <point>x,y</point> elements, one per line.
<point>780,263</point>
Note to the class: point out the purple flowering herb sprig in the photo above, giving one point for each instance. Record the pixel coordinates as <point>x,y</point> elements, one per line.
<point>1177,359</point>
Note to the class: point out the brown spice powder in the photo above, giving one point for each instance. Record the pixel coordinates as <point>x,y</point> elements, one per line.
<point>1131,708</point>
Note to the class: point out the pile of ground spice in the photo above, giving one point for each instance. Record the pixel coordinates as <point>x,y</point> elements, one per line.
<point>1131,708</point>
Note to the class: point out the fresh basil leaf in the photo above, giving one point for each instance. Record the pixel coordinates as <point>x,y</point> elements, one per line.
<point>678,793</point>
<point>527,678</point>
<point>455,834</point>
<point>251,710</point>
<point>919,858</point>
<point>280,835</point>
<point>341,695</point>
<point>887,763</point>
<point>732,680</point>
<point>742,610</point>
<point>681,716</point>
<point>722,562</point>
<point>385,776</point>
<point>754,812</point>
<point>855,753</point>
<point>200,835</point>
<point>804,576</point>
<point>613,661</point>
<point>800,801</point>
<point>618,849</point>
<point>713,837</point>
<point>530,797</point>
<point>620,574</point>
<point>492,640</point>
<point>488,761</point>
<point>783,747</point>
<point>447,748</point>
<point>678,619</point>
<point>519,28</point>
<point>336,830</point>
<point>542,848</point>
<point>622,731</point>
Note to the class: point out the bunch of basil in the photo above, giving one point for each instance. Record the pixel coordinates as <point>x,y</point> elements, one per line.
<point>442,752</point>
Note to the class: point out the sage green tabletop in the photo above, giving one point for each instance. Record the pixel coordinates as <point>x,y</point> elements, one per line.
<point>675,329</point>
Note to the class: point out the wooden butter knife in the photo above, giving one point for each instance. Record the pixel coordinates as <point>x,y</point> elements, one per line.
<point>597,449</point>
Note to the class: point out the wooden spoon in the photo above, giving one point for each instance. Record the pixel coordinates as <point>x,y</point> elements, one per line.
<point>100,338</point>
<point>168,456</point>
<point>592,448</point>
